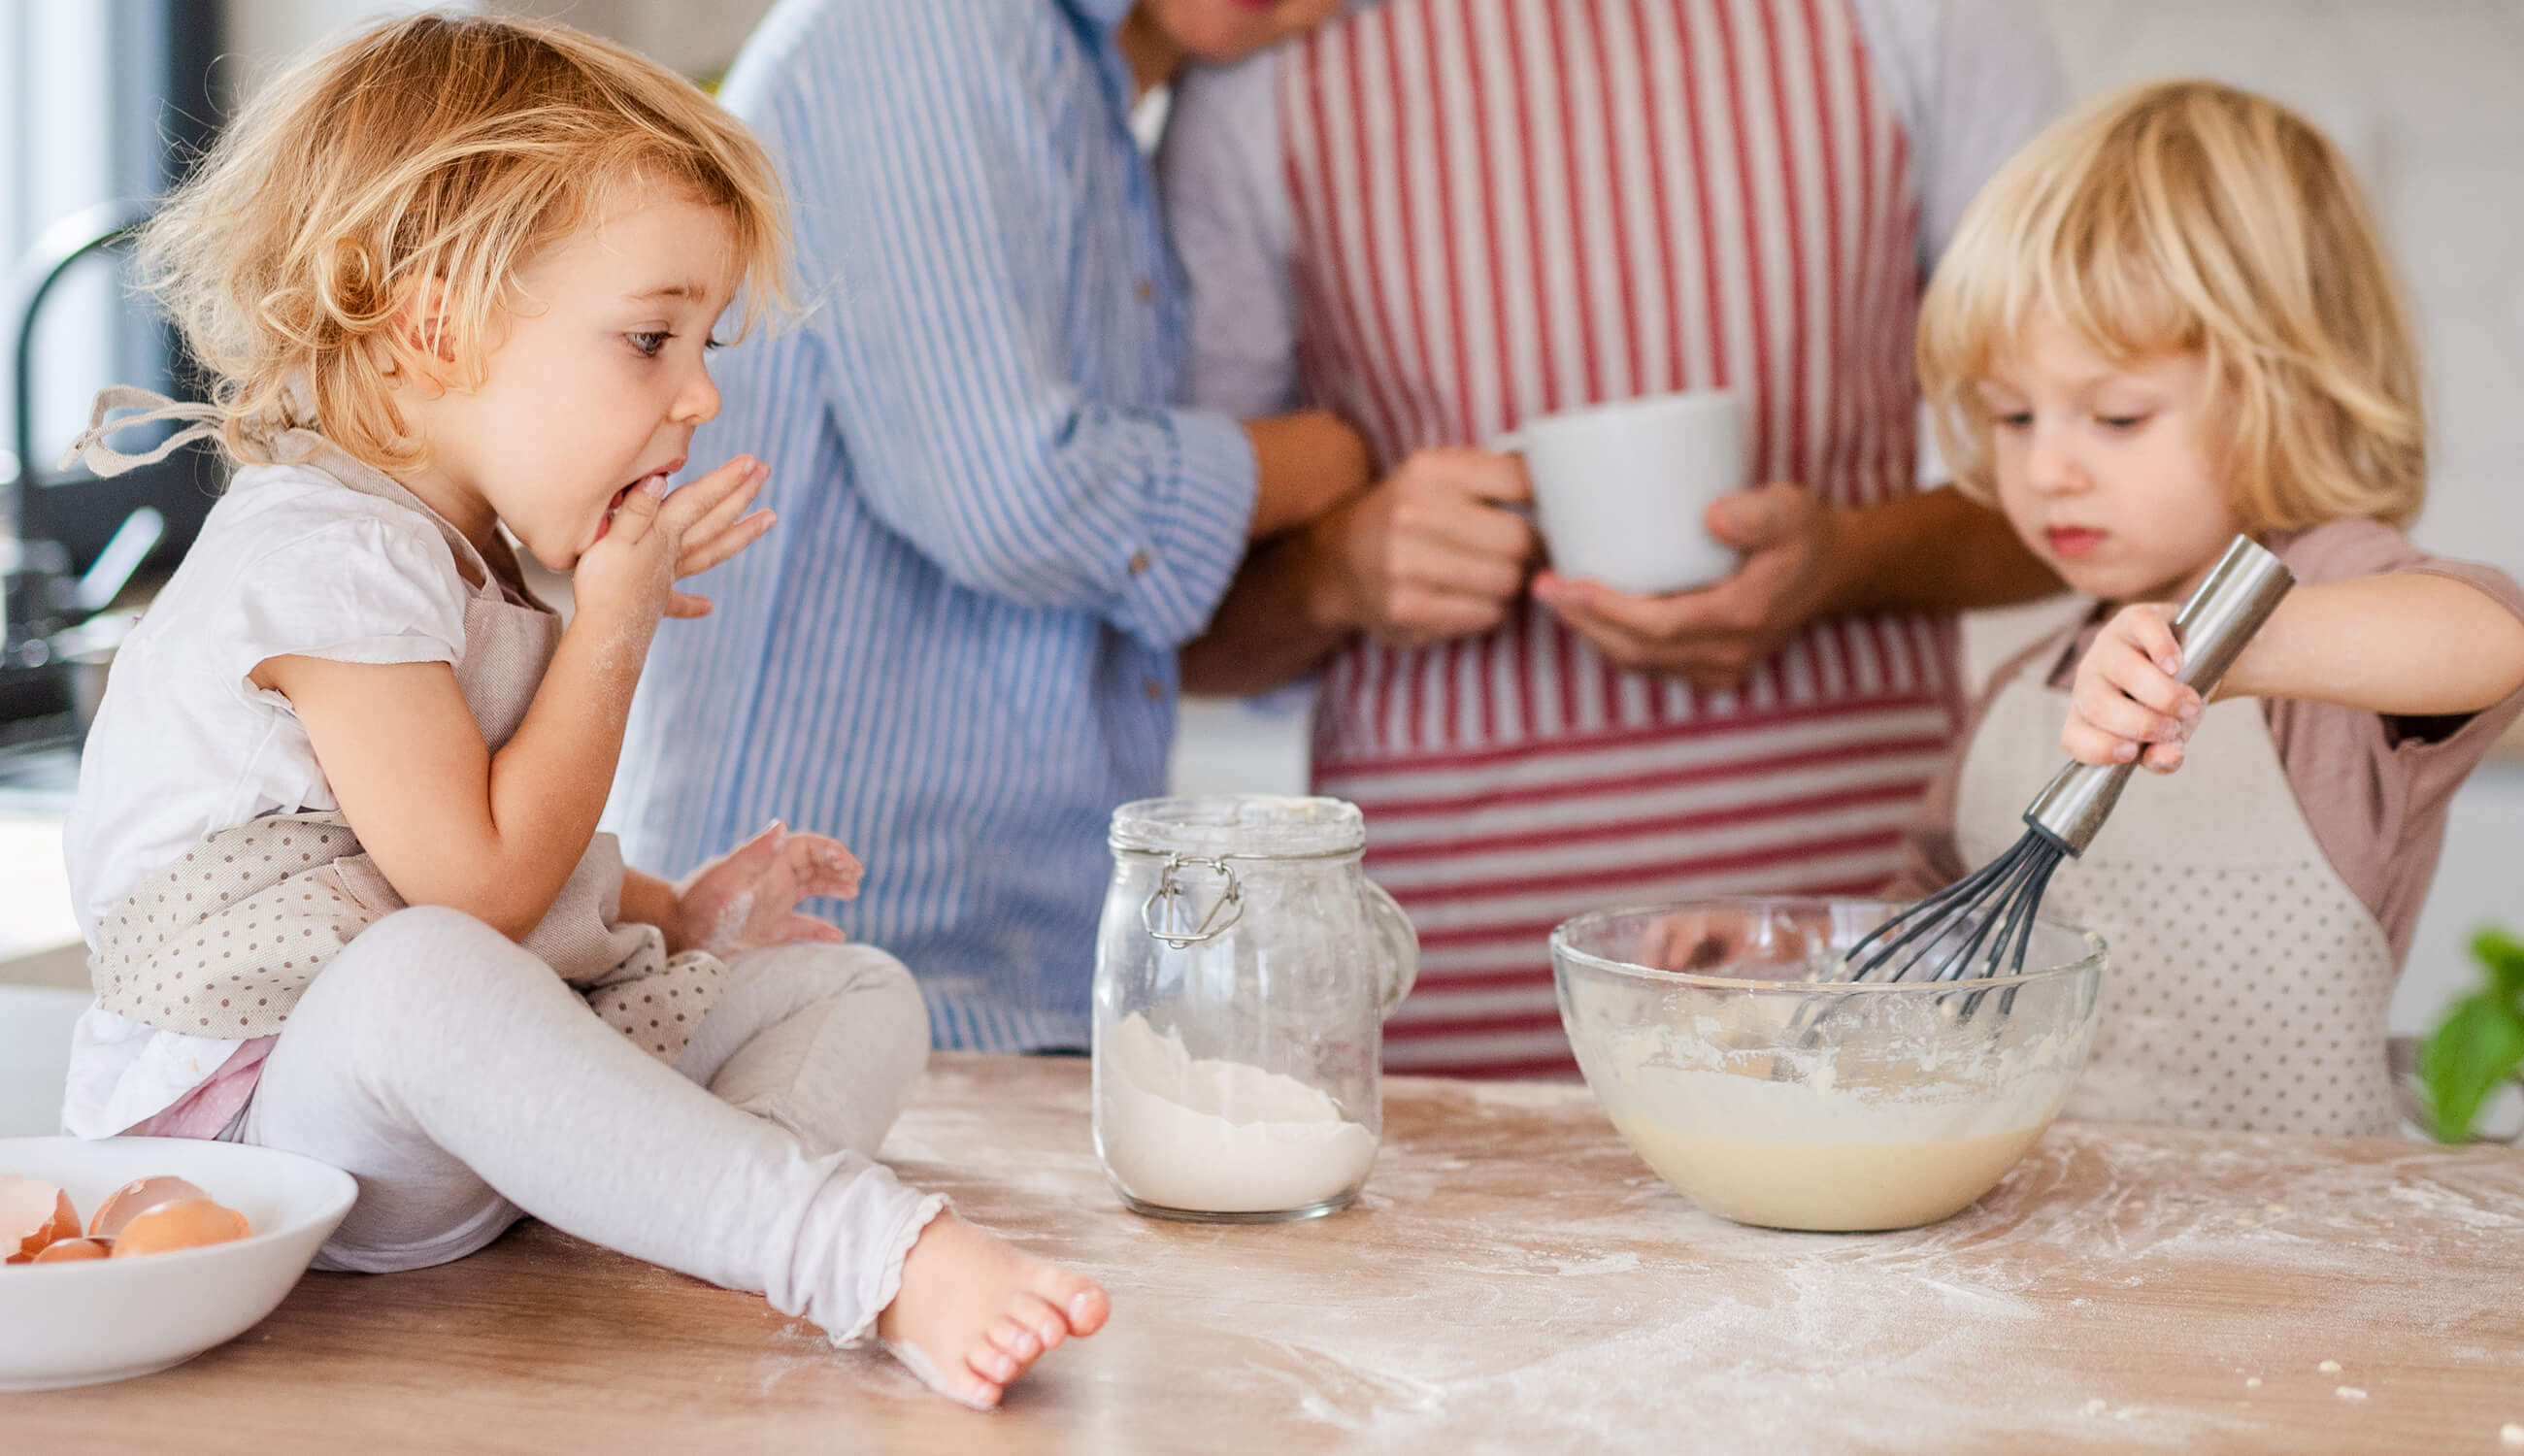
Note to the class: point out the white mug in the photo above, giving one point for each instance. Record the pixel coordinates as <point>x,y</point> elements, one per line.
<point>1622,491</point>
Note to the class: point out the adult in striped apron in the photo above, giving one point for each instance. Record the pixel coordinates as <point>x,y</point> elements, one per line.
<point>1491,210</point>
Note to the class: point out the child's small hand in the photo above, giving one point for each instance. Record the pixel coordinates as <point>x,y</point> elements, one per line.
<point>748,898</point>
<point>2126,697</point>
<point>650,543</point>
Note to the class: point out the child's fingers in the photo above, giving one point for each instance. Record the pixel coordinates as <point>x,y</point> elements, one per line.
<point>823,867</point>
<point>757,853</point>
<point>2090,744</point>
<point>701,553</point>
<point>2106,709</point>
<point>2163,758</point>
<point>2143,681</point>
<point>739,480</point>
<point>686,604</point>
<point>808,928</point>
<point>720,515</point>
<point>2148,627</point>
<point>637,515</point>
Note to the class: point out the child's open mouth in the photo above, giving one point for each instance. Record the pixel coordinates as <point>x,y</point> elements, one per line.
<point>624,494</point>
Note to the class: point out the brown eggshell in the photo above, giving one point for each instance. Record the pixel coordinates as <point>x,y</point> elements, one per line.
<point>137,1197</point>
<point>32,1214</point>
<point>71,1250</point>
<point>170,1227</point>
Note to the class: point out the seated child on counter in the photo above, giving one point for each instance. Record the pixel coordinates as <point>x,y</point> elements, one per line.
<point>2167,322</point>
<point>334,847</point>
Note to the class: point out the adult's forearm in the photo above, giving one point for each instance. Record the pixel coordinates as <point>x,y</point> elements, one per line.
<point>1934,552</point>
<point>1272,628</point>
<point>1306,463</point>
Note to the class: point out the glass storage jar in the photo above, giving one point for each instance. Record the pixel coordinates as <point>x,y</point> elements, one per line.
<point>1244,971</point>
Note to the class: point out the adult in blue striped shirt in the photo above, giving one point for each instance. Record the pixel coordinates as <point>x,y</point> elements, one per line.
<point>996,524</point>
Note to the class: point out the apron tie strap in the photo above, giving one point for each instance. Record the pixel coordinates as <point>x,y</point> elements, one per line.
<point>202,423</point>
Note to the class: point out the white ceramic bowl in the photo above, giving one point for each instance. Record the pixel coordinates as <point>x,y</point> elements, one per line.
<point>77,1324</point>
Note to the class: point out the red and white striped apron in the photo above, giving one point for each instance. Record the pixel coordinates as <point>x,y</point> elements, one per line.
<point>1506,208</point>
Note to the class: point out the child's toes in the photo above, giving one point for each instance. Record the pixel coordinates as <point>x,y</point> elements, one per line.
<point>1079,1300</point>
<point>983,1394</point>
<point>994,1365</point>
<point>1018,1338</point>
<point>1040,1315</point>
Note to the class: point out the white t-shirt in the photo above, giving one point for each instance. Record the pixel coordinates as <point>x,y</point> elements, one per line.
<point>291,562</point>
<point>1972,81</point>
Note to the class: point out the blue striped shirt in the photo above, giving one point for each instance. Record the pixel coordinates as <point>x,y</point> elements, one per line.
<point>956,651</point>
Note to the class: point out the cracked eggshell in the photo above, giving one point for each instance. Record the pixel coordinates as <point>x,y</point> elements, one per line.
<point>71,1251</point>
<point>33,1213</point>
<point>137,1197</point>
<point>173,1226</point>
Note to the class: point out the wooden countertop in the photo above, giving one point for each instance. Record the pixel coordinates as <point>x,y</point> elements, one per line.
<point>1514,1279</point>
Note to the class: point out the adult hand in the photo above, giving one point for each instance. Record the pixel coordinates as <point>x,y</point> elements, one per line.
<point>1713,637</point>
<point>647,543</point>
<point>748,898</point>
<point>1431,553</point>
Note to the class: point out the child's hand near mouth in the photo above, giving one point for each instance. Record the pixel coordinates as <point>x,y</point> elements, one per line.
<point>651,538</point>
<point>2127,700</point>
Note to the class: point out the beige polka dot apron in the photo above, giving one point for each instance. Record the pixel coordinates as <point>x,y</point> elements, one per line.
<point>2246,984</point>
<point>224,942</point>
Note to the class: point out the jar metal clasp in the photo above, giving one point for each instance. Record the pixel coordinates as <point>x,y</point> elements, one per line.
<point>1222,916</point>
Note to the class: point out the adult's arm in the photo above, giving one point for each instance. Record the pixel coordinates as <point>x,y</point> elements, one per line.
<point>935,252</point>
<point>1430,554</point>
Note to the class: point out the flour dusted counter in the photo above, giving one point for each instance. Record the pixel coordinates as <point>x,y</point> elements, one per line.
<point>1513,1279</point>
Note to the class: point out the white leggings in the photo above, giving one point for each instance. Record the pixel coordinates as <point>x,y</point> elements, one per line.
<point>462,1082</point>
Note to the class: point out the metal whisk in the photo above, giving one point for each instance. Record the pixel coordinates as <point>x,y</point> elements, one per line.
<point>1980,926</point>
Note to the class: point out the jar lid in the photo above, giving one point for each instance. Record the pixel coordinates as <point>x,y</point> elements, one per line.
<point>1261,826</point>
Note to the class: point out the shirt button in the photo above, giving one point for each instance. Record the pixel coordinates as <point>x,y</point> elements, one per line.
<point>1156,690</point>
<point>1147,289</point>
<point>1138,563</point>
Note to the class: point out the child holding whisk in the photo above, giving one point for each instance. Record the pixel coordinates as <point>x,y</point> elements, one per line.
<point>2169,321</point>
<point>335,842</point>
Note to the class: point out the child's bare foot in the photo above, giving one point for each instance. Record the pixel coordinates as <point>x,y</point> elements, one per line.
<point>974,1312</point>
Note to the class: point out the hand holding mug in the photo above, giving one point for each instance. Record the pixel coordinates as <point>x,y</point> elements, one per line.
<point>1713,637</point>
<point>1431,553</point>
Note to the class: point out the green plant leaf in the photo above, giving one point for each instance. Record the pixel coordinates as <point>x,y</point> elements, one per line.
<point>2479,1044</point>
<point>2503,955</point>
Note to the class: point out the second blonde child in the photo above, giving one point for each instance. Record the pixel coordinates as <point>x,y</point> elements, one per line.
<point>2167,322</point>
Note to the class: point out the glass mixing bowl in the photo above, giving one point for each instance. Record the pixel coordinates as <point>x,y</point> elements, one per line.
<point>1769,1094</point>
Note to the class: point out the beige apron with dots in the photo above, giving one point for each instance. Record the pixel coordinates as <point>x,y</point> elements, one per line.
<point>222,942</point>
<point>2246,985</point>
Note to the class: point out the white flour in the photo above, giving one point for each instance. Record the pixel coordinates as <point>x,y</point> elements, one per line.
<point>1218,1137</point>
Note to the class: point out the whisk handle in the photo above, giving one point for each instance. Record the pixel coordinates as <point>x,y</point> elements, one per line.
<point>2232,600</point>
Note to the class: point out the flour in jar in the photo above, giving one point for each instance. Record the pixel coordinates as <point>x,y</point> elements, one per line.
<point>1209,1136</point>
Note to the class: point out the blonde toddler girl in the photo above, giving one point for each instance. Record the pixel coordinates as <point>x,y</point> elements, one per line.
<point>2166,322</point>
<point>335,840</point>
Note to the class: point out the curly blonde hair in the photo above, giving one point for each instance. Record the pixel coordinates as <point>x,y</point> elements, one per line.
<point>440,147</point>
<point>2188,217</point>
